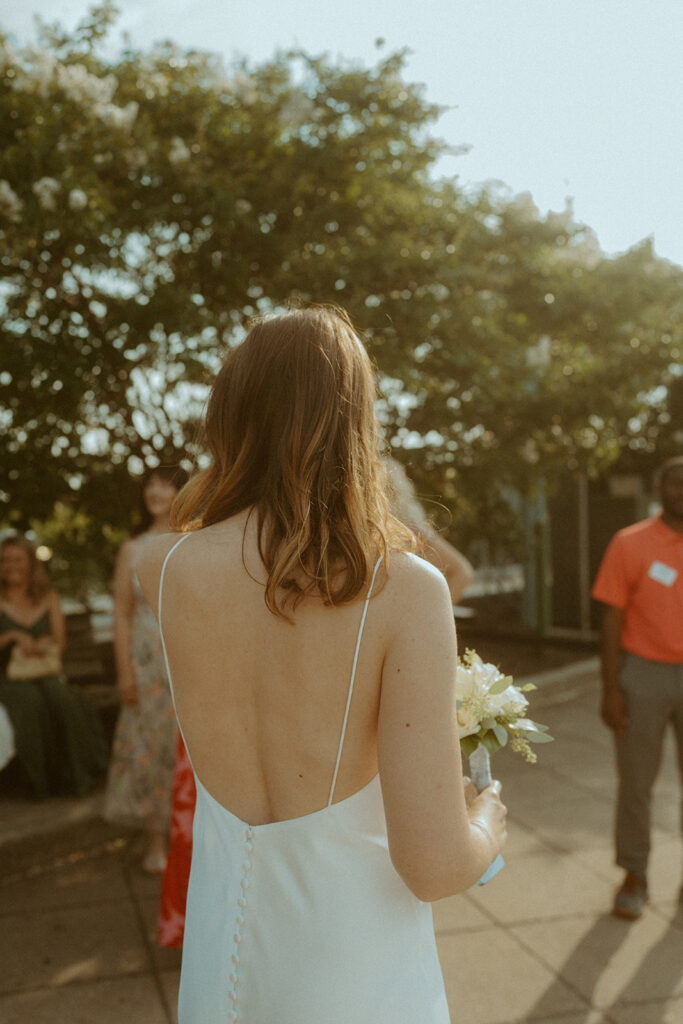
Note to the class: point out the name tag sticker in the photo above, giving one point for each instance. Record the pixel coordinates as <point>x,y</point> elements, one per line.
<point>662,573</point>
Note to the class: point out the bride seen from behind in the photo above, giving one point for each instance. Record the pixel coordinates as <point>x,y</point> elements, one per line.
<point>312,659</point>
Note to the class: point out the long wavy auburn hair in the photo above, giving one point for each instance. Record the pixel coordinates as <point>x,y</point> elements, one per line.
<point>292,432</point>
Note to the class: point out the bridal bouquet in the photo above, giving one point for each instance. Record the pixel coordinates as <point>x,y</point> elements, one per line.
<point>490,711</point>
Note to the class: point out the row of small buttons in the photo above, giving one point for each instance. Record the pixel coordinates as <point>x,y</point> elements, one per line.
<point>239,920</point>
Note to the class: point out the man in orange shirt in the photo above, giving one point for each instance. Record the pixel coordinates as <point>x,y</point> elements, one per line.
<point>640,582</point>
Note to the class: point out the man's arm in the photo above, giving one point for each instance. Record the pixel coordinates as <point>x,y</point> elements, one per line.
<point>613,707</point>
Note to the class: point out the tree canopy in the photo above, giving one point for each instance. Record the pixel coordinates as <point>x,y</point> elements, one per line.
<point>151,203</point>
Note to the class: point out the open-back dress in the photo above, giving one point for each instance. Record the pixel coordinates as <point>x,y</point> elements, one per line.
<point>304,921</point>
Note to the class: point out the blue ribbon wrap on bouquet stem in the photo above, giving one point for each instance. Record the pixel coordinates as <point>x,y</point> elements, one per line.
<point>480,773</point>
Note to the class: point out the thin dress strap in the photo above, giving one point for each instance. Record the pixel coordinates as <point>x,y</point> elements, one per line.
<point>352,681</point>
<point>159,605</point>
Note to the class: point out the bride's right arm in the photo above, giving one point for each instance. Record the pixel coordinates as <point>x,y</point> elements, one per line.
<point>438,845</point>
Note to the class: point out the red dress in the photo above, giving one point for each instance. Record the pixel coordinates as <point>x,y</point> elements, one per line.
<point>171,926</point>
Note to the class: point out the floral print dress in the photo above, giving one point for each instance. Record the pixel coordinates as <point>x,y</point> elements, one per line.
<point>143,753</point>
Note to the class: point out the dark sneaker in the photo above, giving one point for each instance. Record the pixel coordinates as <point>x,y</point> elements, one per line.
<point>631,898</point>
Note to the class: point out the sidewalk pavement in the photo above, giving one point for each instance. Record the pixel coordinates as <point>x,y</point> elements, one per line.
<point>538,943</point>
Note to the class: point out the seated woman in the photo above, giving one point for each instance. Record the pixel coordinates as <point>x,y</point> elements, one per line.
<point>58,738</point>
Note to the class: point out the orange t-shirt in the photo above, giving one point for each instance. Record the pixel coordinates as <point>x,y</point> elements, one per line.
<point>642,572</point>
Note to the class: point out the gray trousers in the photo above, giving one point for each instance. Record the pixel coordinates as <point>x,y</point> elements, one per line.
<point>654,697</point>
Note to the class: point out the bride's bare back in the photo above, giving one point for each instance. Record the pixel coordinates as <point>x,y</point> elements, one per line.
<point>261,700</point>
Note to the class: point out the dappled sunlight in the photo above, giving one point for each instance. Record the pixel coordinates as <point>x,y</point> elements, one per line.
<point>88,967</point>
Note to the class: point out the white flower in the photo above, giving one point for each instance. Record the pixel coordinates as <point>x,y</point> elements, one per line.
<point>241,88</point>
<point>154,83</point>
<point>7,57</point>
<point>43,67</point>
<point>34,75</point>
<point>524,206</point>
<point>45,190</point>
<point>297,110</point>
<point>474,681</point>
<point>10,203</point>
<point>82,87</point>
<point>78,200</point>
<point>118,117</point>
<point>529,451</point>
<point>135,158</point>
<point>539,356</point>
<point>469,706</point>
<point>179,152</point>
<point>484,675</point>
<point>511,703</point>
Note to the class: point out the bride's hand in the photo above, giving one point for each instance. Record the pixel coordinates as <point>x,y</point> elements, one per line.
<point>471,792</point>
<point>489,811</point>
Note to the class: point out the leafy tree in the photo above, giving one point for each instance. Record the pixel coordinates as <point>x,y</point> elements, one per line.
<point>148,208</point>
<point>151,204</point>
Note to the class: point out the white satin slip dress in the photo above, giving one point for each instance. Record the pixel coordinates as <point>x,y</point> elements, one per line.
<point>304,921</point>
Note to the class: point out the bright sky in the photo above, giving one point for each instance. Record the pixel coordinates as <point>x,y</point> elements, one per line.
<point>580,98</point>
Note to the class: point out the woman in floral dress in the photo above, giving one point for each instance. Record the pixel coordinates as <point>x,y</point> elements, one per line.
<point>143,754</point>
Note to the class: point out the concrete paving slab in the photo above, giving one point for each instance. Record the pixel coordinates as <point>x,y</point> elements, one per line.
<point>165,959</point>
<point>542,886</point>
<point>491,979</point>
<point>458,913</point>
<point>672,910</point>
<point>133,1000</point>
<point>582,764</point>
<point>21,817</point>
<point>665,871</point>
<point>144,886</point>
<point>668,1012</point>
<point>570,823</point>
<point>79,883</point>
<point>170,981</point>
<point>610,961</point>
<point>542,788</point>
<point>589,1017</point>
<point>522,840</point>
<point>592,769</point>
<point>70,944</point>
<point>600,860</point>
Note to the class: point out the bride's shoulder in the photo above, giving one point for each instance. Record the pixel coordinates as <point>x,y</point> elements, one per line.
<point>408,565</point>
<point>414,579</point>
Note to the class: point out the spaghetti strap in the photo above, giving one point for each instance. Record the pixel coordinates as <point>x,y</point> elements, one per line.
<point>159,605</point>
<point>163,572</point>
<point>352,681</point>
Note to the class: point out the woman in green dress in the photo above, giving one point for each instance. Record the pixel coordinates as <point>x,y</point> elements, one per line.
<point>60,747</point>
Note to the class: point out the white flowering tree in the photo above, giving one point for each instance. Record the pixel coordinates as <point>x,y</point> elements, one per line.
<point>149,205</point>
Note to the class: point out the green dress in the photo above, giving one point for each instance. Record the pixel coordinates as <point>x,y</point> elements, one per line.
<point>60,746</point>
